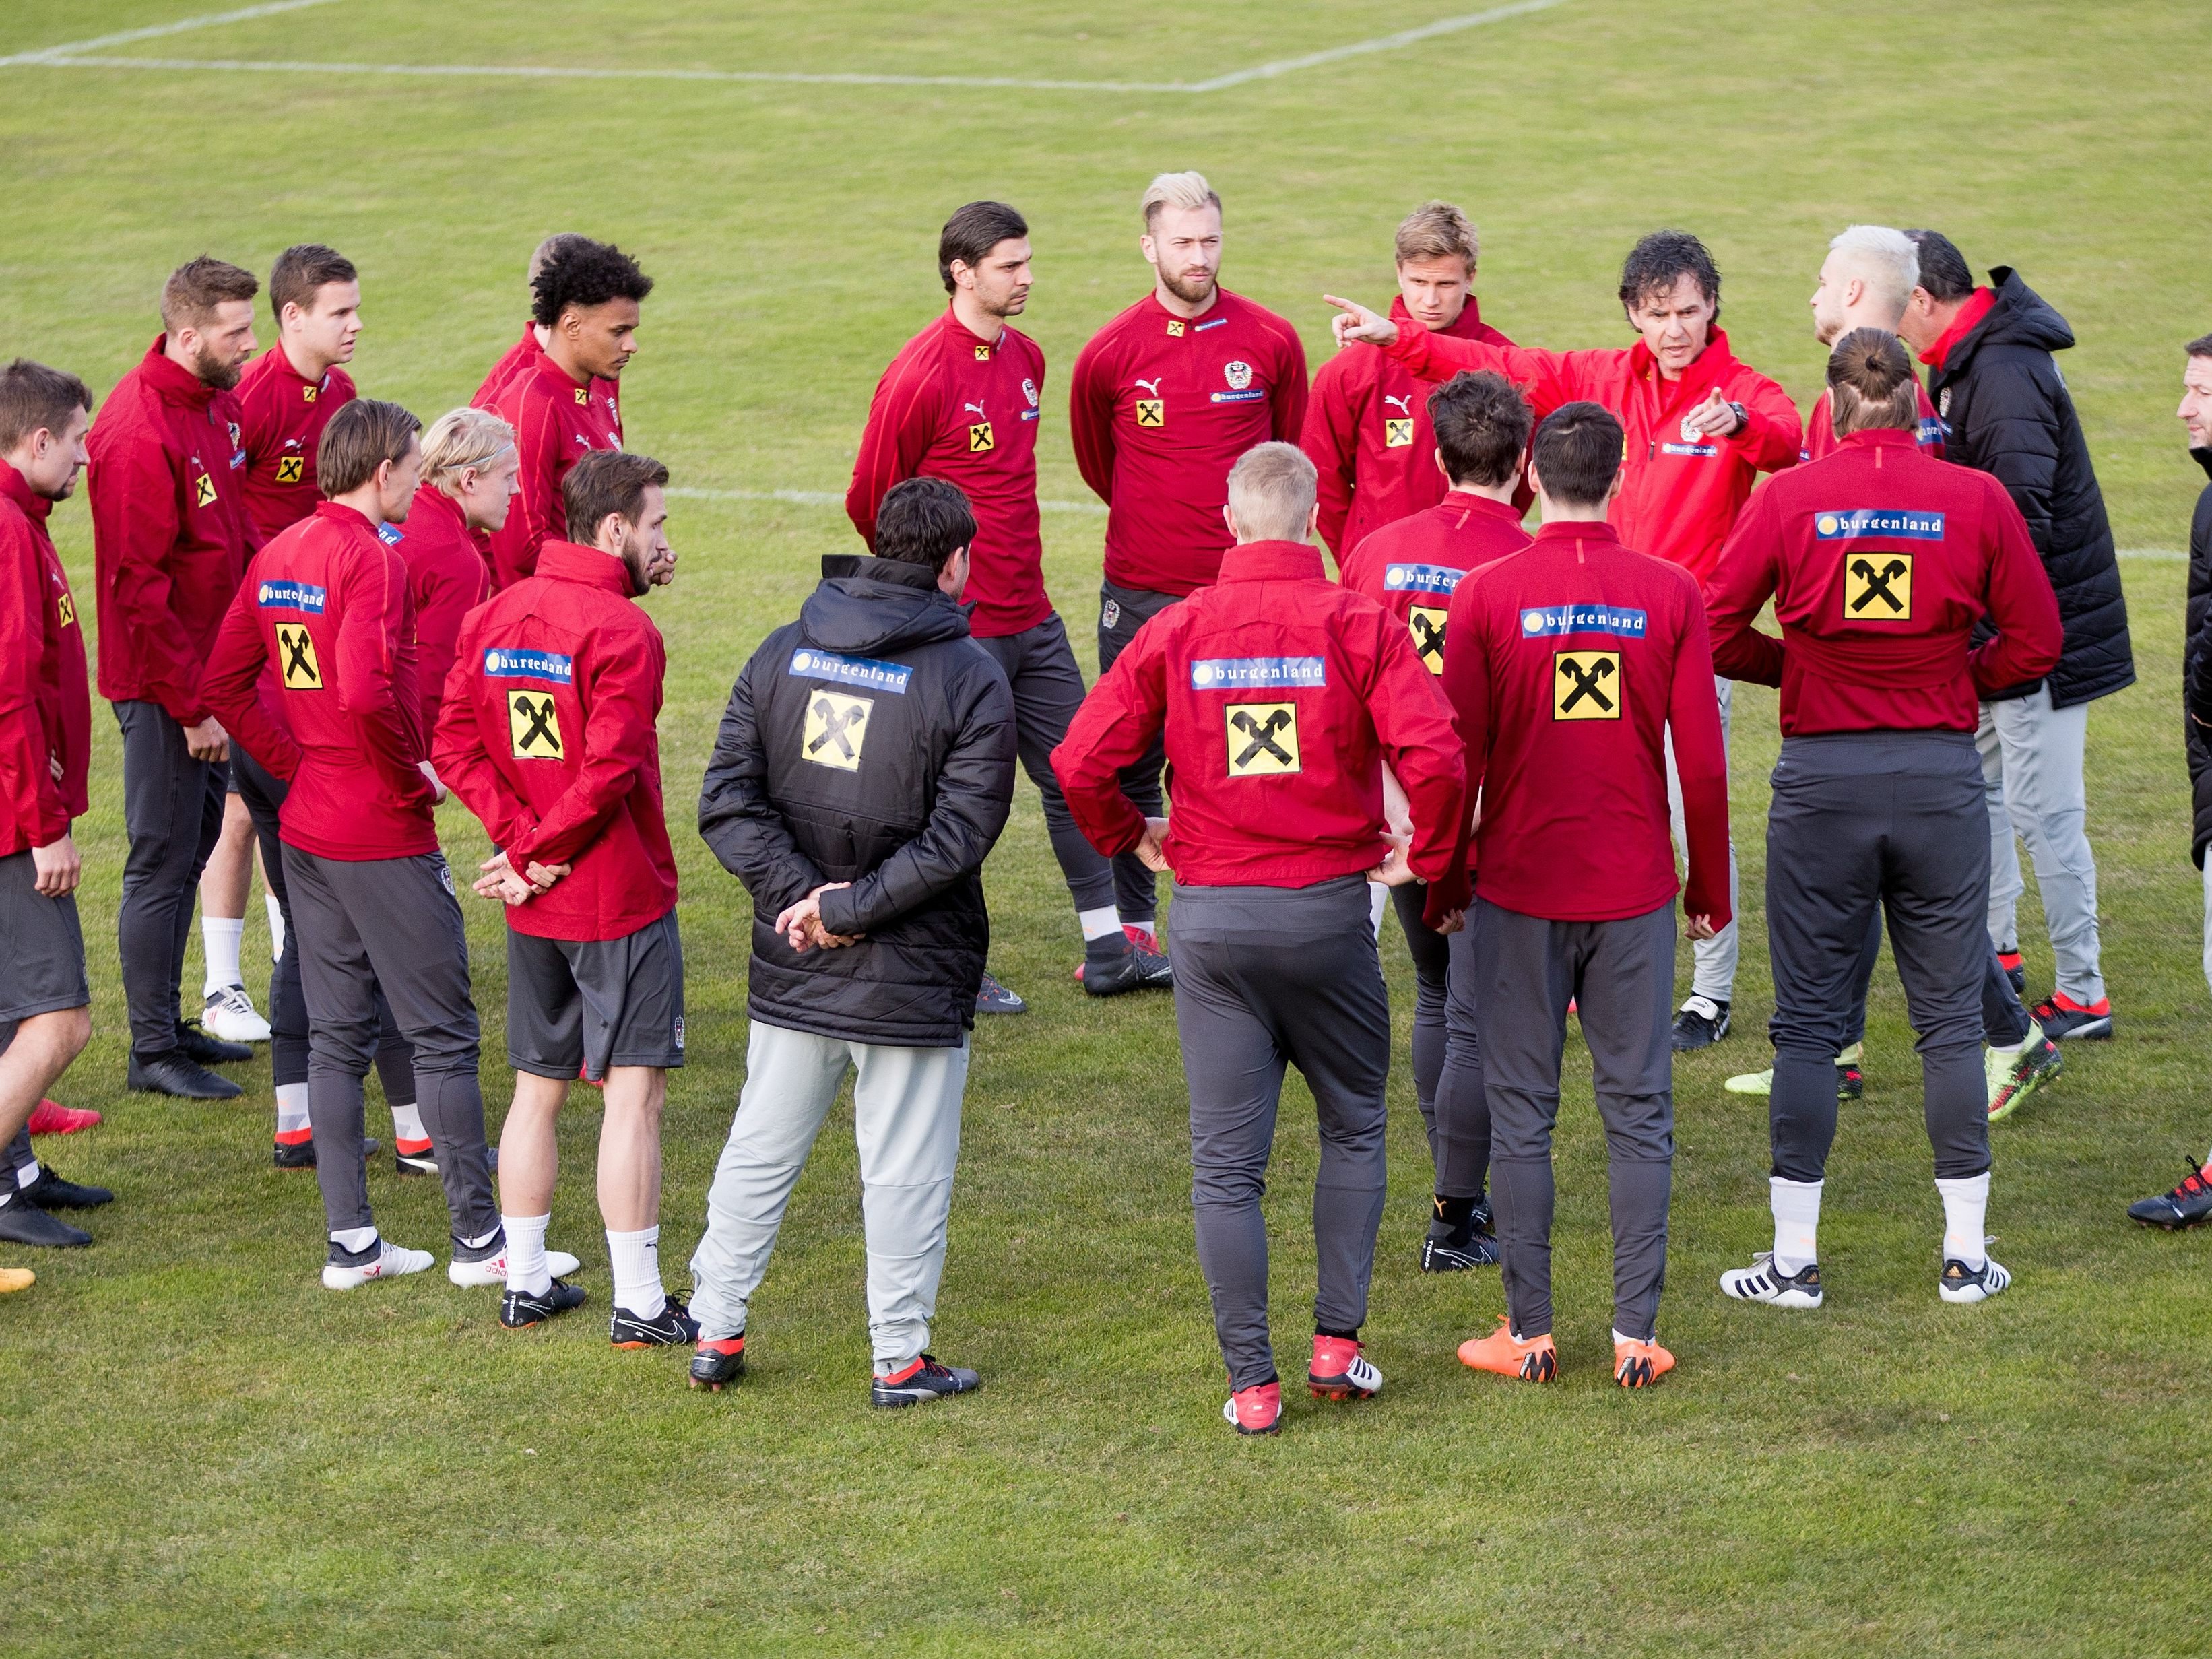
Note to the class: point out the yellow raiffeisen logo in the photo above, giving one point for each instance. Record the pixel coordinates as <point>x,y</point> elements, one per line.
<point>534,726</point>
<point>1586,685</point>
<point>979,438</point>
<point>295,658</point>
<point>1397,434</point>
<point>65,608</point>
<point>1877,586</point>
<point>982,352</point>
<point>308,393</point>
<point>290,467</point>
<point>1152,411</point>
<point>204,490</point>
<point>1263,738</point>
<point>1427,623</point>
<point>1175,328</point>
<point>583,396</point>
<point>834,729</point>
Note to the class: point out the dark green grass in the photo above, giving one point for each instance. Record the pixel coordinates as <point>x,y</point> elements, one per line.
<point>203,1453</point>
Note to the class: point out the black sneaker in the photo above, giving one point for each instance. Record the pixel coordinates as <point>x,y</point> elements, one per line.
<point>2062,1018</point>
<point>1109,973</point>
<point>1701,1023</point>
<point>671,1328</point>
<point>300,1155</point>
<point>718,1364</point>
<point>178,1074</point>
<point>50,1192</point>
<point>194,1043</point>
<point>993,997</point>
<point>519,1311</point>
<point>27,1224</point>
<point>924,1379</point>
<point>2184,1207</point>
<point>1452,1248</point>
<point>425,1163</point>
<point>2015,972</point>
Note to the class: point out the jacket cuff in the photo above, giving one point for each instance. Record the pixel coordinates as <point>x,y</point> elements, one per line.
<point>840,911</point>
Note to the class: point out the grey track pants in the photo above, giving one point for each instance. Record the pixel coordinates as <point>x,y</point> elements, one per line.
<point>1621,974</point>
<point>1462,1147</point>
<point>1894,819</point>
<point>906,1117</point>
<point>1047,687</point>
<point>2031,774</point>
<point>173,812</point>
<point>1431,955</point>
<point>1715,958</point>
<point>1267,978</point>
<point>1121,612</point>
<point>392,923</point>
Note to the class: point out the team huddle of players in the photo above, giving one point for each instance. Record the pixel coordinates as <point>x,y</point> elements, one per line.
<point>306,598</point>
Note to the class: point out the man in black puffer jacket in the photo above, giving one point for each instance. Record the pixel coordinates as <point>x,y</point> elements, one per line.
<point>2008,413</point>
<point>863,771</point>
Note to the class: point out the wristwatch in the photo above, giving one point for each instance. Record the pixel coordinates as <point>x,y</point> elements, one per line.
<point>1742,417</point>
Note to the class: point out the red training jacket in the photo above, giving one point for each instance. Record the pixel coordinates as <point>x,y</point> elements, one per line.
<point>517,357</point>
<point>169,531</point>
<point>557,420</point>
<point>1569,662</point>
<point>1879,562</point>
<point>1680,493</point>
<point>1368,434</point>
<point>448,575</point>
<point>283,415</point>
<point>1282,694</point>
<point>1820,439</point>
<point>548,735</point>
<point>1160,408</point>
<point>46,708</point>
<point>965,409</point>
<point>1410,568</point>
<point>326,603</point>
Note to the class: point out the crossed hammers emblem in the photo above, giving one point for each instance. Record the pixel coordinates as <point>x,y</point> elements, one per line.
<point>1262,733</point>
<point>1586,684</point>
<point>1877,582</point>
<point>299,670</point>
<point>540,713</point>
<point>1428,638</point>
<point>835,725</point>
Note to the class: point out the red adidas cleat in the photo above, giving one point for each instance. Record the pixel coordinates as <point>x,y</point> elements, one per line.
<point>1256,1410</point>
<point>49,1119</point>
<point>1533,1360</point>
<point>1340,1370</point>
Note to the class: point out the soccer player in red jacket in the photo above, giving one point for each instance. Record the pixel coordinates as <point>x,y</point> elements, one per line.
<point>1881,563</point>
<point>586,299</point>
<point>1163,400</point>
<point>535,335</point>
<point>1569,665</point>
<point>371,897</point>
<point>170,537</point>
<point>1411,568</point>
<point>962,402</point>
<point>1284,700</point>
<point>1367,427</point>
<point>547,734</point>
<point>1700,428</point>
<point>46,746</point>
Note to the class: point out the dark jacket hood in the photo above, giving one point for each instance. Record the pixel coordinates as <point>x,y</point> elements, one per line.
<point>879,605</point>
<point>2019,317</point>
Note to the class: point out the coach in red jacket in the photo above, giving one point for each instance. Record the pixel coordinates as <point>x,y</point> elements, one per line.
<point>1283,698</point>
<point>372,901</point>
<point>1411,568</point>
<point>1164,399</point>
<point>1699,428</point>
<point>548,734</point>
<point>1569,665</point>
<point>170,537</point>
<point>1880,562</point>
<point>1367,428</point>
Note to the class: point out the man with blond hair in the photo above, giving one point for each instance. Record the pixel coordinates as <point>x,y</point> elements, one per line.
<point>1368,431</point>
<point>1866,281</point>
<point>1165,398</point>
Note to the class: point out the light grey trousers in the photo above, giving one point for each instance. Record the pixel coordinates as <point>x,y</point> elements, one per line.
<point>906,1112</point>
<point>2032,757</point>
<point>1714,958</point>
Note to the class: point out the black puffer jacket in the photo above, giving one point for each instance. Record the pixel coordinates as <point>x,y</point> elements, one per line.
<point>2196,663</point>
<point>2009,414</point>
<point>870,742</point>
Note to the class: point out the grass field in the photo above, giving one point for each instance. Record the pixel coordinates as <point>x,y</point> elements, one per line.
<point>203,1453</point>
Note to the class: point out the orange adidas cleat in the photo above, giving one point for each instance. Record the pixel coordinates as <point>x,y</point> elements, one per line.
<point>1531,1360</point>
<point>1638,1364</point>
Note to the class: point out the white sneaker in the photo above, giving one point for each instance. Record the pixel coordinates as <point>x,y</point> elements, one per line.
<point>229,1014</point>
<point>1763,1281</point>
<point>491,1272</point>
<point>1960,1283</point>
<point>391,1261</point>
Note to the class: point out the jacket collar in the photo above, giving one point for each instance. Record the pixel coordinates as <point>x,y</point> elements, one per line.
<point>173,382</point>
<point>1978,306</point>
<point>1884,437</point>
<point>1458,501</point>
<point>347,518</point>
<point>1577,530</point>
<point>565,562</point>
<point>1467,326</point>
<point>2203,459</point>
<point>35,506</point>
<point>866,566</point>
<point>1705,369</point>
<point>961,334</point>
<point>541,360</point>
<point>434,502</point>
<point>1276,561</point>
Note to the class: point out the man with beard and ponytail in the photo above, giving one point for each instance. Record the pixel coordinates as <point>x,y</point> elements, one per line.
<point>961,401</point>
<point>1882,564</point>
<point>1163,400</point>
<point>547,735</point>
<point>170,535</point>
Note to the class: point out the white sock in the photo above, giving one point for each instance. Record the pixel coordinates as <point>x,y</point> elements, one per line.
<point>275,926</point>
<point>1100,923</point>
<point>1378,900</point>
<point>2015,1050</point>
<point>1147,924</point>
<point>636,1258</point>
<point>1966,1211</point>
<point>525,1254</point>
<point>355,1239</point>
<point>219,937</point>
<point>407,1125</point>
<point>291,1108</point>
<point>28,1175</point>
<point>1796,1223</point>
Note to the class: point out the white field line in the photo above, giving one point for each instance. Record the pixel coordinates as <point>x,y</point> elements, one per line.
<point>87,54</point>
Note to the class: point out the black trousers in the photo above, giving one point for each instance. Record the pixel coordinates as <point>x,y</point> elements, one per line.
<point>173,812</point>
<point>2004,1021</point>
<point>1048,688</point>
<point>1431,955</point>
<point>1121,612</point>
<point>1894,821</point>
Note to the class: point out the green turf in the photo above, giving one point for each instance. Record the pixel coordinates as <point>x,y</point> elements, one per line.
<point>203,1453</point>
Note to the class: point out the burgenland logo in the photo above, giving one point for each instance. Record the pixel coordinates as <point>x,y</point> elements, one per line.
<point>512,663</point>
<point>1895,523</point>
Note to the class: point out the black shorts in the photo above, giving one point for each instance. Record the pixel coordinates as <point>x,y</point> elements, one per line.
<point>41,946</point>
<point>589,1004</point>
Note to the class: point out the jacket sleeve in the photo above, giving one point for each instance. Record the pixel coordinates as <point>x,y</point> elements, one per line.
<point>1466,685</point>
<point>231,688</point>
<point>2021,606</point>
<point>1741,583</point>
<point>1331,443</point>
<point>619,742</point>
<point>739,821</point>
<point>1773,436</point>
<point>1693,715</point>
<point>465,765</point>
<point>536,512</point>
<point>135,524</point>
<point>1546,378</point>
<point>975,791</point>
<point>900,419</point>
<point>1126,710</point>
<point>2016,433</point>
<point>1287,397</point>
<point>374,614</point>
<point>1090,417</point>
<point>34,799</point>
<point>1420,741</point>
